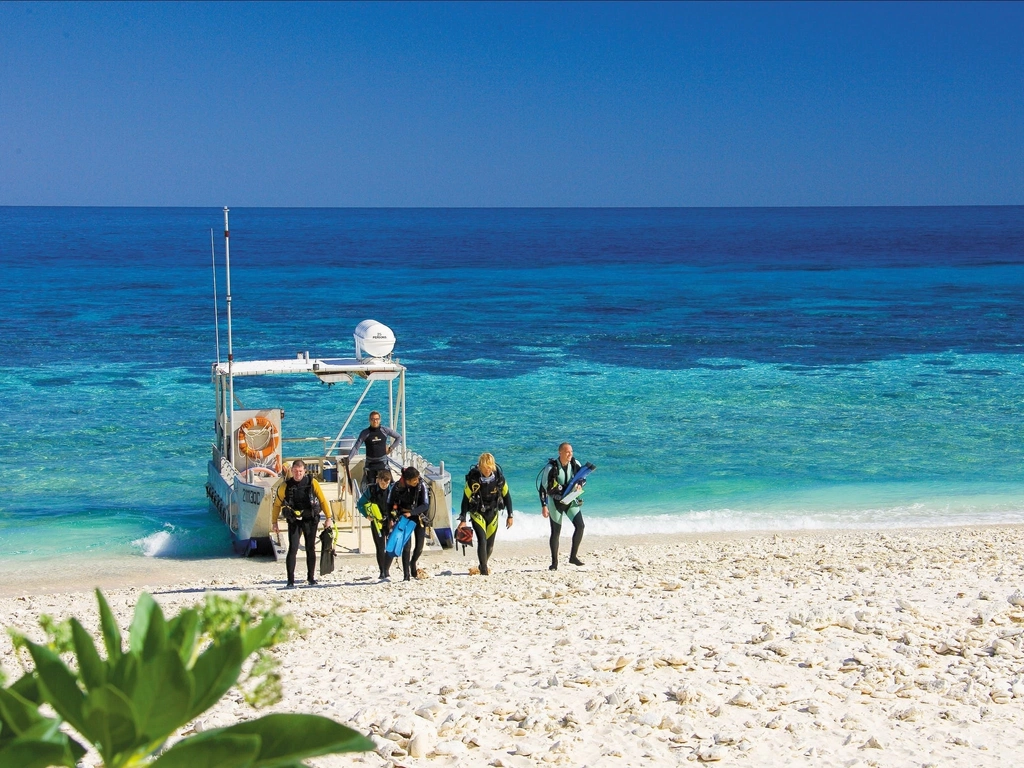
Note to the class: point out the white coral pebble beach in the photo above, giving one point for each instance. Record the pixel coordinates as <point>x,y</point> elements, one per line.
<point>896,648</point>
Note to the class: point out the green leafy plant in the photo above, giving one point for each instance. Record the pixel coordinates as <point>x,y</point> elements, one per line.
<point>29,739</point>
<point>128,704</point>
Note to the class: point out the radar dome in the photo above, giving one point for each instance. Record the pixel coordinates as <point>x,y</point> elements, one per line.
<point>373,340</point>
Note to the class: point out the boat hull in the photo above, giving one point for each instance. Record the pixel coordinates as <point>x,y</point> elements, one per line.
<point>440,514</point>
<point>244,508</point>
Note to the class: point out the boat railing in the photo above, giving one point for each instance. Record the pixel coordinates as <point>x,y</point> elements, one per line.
<point>413,459</point>
<point>227,470</point>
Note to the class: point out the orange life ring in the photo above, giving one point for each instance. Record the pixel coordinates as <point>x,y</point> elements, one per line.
<point>269,449</point>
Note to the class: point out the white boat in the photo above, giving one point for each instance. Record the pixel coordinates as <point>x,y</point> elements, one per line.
<point>251,447</point>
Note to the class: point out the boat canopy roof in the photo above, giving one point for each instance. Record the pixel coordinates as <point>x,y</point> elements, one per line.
<point>327,369</point>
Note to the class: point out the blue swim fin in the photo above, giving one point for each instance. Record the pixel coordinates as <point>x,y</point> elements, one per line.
<point>579,477</point>
<point>400,536</point>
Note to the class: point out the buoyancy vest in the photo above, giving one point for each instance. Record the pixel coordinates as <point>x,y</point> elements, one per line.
<point>558,477</point>
<point>406,497</point>
<point>373,504</point>
<point>378,495</point>
<point>485,496</point>
<point>300,497</point>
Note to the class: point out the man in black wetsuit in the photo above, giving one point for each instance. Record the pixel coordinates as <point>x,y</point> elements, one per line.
<point>486,492</point>
<point>409,498</point>
<point>377,449</point>
<point>300,500</point>
<point>553,481</point>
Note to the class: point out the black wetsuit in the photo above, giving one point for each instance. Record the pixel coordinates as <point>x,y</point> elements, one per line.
<point>481,501</point>
<point>416,501</point>
<point>376,440</point>
<point>557,475</point>
<point>374,494</point>
<point>301,509</point>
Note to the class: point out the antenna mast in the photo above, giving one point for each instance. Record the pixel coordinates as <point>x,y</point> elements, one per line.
<point>216,313</point>
<point>231,356</point>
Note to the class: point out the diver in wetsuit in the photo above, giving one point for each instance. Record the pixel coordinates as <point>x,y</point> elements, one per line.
<point>409,498</point>
<point>373,504</point>
<point>552,483</point>
<point>486,492</point>
<point>300,500</point>
<point>375,437</point>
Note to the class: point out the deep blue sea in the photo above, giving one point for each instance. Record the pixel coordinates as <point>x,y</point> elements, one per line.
<point>726,369</point>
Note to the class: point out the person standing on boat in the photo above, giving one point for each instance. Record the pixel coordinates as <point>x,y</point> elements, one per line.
<point>299,499</point>
<point>552,482</point>
<point>373,505</point>
<point>409,498</point>
<point>375,437</point>
<point>486,492</point>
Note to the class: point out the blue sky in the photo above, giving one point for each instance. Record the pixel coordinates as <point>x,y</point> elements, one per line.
<point>511,104</point>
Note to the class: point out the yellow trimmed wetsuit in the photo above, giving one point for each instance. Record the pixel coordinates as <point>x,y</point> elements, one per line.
<point>299,501</point>
<point>482,499</point>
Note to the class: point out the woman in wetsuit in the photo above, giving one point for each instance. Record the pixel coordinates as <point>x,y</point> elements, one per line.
<point>485,494</point>
<point>409,498</point>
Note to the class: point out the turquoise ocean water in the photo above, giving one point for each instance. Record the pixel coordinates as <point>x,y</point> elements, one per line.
<point>726,369</point>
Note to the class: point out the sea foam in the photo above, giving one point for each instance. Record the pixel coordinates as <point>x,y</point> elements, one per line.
<point>158,544</point>
<point>531,525</point>
<point>179,541</point>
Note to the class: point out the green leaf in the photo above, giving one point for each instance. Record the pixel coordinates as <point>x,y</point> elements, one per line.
<point>261,635</point>
<point>214,672</point>
<point>28,753</point>
<point>183,633</point>
<point>213,751</point>
<point>125,674</point>
<point>28,688</point>
<point>45,738</point>
<point>140,622</point>
<point>111,633</point>
<point>58,686</point>
<point>48,730</point>
<point>90,667</point>
<point>156,634</point>
<point>109,721</point>
<point>18,715</point>
<point>43,730</point>
<point>162,696</point>
<point>286,738</point>
<point>77,751</point>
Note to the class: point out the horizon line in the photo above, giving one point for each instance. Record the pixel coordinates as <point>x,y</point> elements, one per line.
<point>518,207</point>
